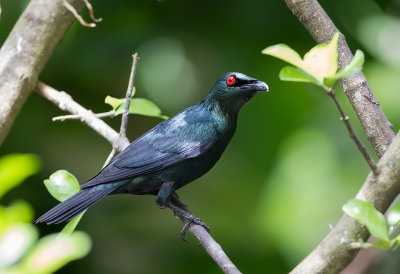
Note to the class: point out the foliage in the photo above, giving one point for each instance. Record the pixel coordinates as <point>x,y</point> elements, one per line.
<point>140,106</point>
<point>319,65</point>
<point>384,229</point>
<point>21,250</point>
<point>62,185</point>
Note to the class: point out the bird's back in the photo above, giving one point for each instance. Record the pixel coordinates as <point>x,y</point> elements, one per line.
<point>181,148</point>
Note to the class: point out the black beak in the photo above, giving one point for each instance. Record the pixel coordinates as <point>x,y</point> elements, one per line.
<point>256,85</point>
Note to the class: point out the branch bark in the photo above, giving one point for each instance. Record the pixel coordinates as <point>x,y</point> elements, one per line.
<point>25,52</point>
<point>65,102</point>
<point>335,252</point>
<point>378,129</point>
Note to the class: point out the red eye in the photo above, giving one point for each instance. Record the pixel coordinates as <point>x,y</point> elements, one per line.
<point>231,80</point>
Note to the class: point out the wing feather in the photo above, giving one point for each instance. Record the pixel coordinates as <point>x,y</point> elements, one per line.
<point>167,144</point>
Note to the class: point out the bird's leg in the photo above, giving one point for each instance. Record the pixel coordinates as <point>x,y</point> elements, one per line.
<point>180,209</point>
<point>167,197</point>
<point>164,194</point>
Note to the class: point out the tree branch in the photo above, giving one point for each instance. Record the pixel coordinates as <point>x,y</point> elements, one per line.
<point>25,52</point>
<point>378,129</point>
<point>66,103</point>
<point>352,134</point>
<point>336,251</point>
<point>125,114</point>
<point>62,118</point>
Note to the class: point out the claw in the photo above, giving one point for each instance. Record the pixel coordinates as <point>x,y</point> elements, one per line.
<point>187,218</point>
<point>183,230</point>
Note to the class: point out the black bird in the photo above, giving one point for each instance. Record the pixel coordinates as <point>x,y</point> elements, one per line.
<point>172,154</point>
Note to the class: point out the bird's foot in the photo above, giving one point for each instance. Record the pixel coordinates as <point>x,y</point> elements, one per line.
<point>187,219</point>
<point>188,222</point>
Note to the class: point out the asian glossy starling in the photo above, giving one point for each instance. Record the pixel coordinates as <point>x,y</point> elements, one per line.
<point>172,154</point>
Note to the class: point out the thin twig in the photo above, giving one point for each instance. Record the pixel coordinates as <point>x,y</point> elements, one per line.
<point>352,134</point>
<point>62,118</point>
<point>111,156</point>
<point>125,114</point>
<point>91,12</point>
<point>65,102</point>
<point>378,129</point>
<point>77,16</point>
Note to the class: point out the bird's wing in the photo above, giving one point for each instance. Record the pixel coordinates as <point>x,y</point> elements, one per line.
<point>167,144</point>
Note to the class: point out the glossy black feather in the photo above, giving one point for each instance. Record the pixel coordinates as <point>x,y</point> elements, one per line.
<point>186,135</point>
<point>172,154</point>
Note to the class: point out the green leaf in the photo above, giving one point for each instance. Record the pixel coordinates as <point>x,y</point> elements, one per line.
<point>15,168</point>
<point>15,242</point>
<point>366,214</point>
<point>285,53</point>
<point>293,74</point>
<point>53,252</point>
<point>115,103</point>
<point>320,62</point>
<point>382,244</point>
<point>71,225</point>
<point>62,185</point>
<point>133,91</point>
<point>138,106</point>
<point>144,107</point>
<point>394,243</point>
<point>19,212</point>
<point>355,66</point>
<point>393,215</point>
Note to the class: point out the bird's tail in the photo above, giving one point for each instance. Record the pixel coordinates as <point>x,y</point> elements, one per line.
<point>74,205</point>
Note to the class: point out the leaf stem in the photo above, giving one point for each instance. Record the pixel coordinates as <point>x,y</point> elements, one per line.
<point>352,134</point>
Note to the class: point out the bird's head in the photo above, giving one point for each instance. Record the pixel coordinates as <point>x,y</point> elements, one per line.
<point>234,89</point>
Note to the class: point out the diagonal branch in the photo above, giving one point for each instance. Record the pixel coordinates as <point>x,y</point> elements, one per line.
<point>336,251</point>
<point>378,129</point>
<point>23,55</point>
<point>65,102</point>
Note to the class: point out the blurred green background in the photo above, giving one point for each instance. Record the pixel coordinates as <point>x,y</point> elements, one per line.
<point>289,168</point>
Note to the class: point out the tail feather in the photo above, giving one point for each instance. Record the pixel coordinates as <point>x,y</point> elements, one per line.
<point>74,205</point>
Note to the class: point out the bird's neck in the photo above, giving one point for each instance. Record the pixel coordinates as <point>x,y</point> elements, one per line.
<point>225,115</point>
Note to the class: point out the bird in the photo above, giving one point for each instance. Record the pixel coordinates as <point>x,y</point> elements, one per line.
<point>172,154</point>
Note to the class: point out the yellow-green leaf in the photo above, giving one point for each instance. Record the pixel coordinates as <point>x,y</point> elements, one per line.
<point>285,53</point>
<point>322,60</point>
<point>15,168</point>
<point>15,242</point>
<point>142,106</point>
<point>293,74</point>
<point>355,66</point>
<point>366,214</point>
<point>115,103</point>
<point>53,252</point>
<point>62,185</point>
